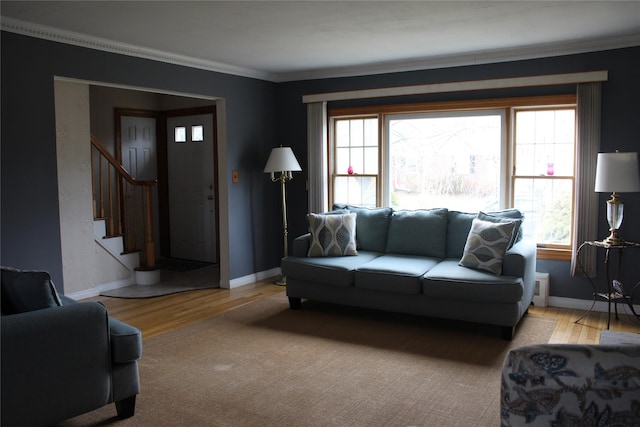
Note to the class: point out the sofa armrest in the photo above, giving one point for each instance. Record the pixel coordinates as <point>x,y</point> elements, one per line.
<point>301,245</point>
<point>55,362</point>
<point>569,384</point>
<point>520,261</point>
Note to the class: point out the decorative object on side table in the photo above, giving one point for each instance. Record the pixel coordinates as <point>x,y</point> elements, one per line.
<point>283,161</point>
<point>616,173</point>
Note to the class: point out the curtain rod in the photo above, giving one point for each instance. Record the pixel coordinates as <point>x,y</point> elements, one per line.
<point>511,82</point>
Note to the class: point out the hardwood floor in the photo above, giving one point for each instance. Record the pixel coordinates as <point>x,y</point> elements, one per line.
<point>155,316</point>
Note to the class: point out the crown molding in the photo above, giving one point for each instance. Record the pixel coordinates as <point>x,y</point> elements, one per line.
<point>83,40</point>
<point>445,61</point>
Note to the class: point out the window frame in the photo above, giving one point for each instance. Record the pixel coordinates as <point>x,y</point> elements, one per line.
<point>508,176</point>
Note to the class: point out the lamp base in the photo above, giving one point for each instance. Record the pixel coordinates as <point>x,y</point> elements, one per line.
<point>282,281</point>
<point>613,239</point>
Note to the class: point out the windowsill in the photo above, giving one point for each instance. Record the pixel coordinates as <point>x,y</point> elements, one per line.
<point>554,254</point>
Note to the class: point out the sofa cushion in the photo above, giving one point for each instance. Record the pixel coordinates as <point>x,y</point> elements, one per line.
<point>486,245</point>
<point>371,226</point>
<point>24,291</point>
<point>394,273</point>
<point>497,217</point>
<point>449,280</point>
<point>332,235</point>
<point>419,232</point>
<point>458,226</point>
<point>336,271</point>
<point>511,214</point>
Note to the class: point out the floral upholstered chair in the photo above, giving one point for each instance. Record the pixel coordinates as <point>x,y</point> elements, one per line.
<point>571,385</point>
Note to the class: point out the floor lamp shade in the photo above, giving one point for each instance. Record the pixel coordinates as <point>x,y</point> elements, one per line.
<point>280,164</point>
<point>282,160</point>
<point>616,173</point>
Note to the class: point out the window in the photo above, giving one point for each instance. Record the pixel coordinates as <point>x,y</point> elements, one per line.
<point>356,161</point>
<point>444,159</point>
<point>468,156</point>
<point>543,178</point>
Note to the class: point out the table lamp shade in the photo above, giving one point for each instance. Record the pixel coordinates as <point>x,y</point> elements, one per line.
<point>617,172</point>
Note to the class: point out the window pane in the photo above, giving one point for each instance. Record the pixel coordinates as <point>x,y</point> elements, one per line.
<point>371,132</point>
<point>342,133</point>
<point>448,161</point>
<point>180,134</point>
<point>342,161</point>
<point>197,133</point>
<point>355,190</point>
<point>547,207</point>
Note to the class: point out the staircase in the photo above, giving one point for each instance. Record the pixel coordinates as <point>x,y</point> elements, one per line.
<point>123,217</point>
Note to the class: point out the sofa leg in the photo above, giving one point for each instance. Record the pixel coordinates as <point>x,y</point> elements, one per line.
<point>126,407</point>
<point>508,332</point>
<point>295,303</point>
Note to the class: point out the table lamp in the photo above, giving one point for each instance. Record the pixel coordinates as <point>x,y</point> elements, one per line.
<point>616,173</point>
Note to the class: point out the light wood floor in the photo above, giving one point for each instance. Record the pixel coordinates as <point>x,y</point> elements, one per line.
<point>154,316</point>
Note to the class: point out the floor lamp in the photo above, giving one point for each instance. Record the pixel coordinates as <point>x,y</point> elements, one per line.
<point>280,164</point>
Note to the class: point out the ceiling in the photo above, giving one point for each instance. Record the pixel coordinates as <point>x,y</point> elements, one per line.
<point>296,40</point>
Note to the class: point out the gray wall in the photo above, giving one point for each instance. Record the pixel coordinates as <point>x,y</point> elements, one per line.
<point>30,229</point>
<point>620,108</point>
<point>260,115</point>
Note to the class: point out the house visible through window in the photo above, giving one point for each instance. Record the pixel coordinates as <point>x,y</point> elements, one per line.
<point>471,156</point>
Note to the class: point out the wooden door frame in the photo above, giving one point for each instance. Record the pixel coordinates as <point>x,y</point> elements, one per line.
<point>164,166</point>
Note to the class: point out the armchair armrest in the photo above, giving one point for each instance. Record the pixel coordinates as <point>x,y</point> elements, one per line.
<point>56,363</point>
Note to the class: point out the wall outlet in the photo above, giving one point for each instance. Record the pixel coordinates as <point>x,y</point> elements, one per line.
<point>234,177</point>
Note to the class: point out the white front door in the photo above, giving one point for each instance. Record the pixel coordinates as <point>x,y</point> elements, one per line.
<point>192,205</point>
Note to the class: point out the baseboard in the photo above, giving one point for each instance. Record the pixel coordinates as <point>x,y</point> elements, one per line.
<point>252,278</point>
<point>583,304</point>
<point>94,292</point>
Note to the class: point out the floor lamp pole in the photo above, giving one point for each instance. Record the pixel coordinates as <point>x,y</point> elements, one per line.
<point>283,179</point>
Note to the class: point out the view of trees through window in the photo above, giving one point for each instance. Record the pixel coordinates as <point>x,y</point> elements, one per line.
<point>445,160</point>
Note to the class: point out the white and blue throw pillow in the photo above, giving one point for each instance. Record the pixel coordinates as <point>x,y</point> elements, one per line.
<point>486,245</point>
<point>332,235</point>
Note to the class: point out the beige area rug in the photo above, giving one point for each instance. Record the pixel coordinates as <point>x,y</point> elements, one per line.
<point>263,364</point>
<point>172,281</point>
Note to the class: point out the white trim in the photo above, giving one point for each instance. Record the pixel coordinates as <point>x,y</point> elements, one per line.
<point>583,304</point>
<point>94,292</point>
<point>457,60</point>
<point>252,278</point>
<point>136,88</point>
<point>472,85</point>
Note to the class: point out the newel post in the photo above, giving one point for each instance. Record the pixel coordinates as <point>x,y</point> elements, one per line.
<point>149,249</point>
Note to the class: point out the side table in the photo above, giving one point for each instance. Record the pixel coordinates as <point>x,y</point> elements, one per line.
<point>614,293</point>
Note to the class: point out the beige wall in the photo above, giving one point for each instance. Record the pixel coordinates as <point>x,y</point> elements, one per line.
<point>84,263</point>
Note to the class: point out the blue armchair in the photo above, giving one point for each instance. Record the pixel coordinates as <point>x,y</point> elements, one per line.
<point>61,358</point>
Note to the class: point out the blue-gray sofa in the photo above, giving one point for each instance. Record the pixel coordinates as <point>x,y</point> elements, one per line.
<point>409,262</point>
<point>61,358</point>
